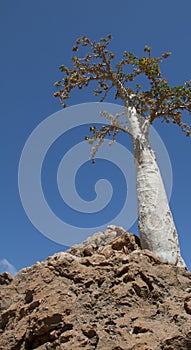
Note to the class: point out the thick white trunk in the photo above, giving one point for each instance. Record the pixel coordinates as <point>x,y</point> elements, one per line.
<point>156,225</point>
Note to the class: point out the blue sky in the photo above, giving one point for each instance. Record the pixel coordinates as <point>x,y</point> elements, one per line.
<point>36,38</point>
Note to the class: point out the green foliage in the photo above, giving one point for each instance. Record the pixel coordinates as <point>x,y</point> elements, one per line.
<point>160,101</point>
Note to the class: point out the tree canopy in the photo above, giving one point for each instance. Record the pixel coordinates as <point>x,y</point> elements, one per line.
<point>98,65</point>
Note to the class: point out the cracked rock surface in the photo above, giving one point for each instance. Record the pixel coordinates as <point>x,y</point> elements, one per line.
<point>105,294</point>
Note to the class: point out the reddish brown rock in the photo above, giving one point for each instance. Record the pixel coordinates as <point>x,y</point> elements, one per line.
<point>105,294</point>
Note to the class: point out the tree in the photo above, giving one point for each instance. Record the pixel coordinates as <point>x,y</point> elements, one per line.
<point>142,107</point>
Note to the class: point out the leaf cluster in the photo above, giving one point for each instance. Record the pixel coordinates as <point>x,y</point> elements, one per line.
<point>116,124</point>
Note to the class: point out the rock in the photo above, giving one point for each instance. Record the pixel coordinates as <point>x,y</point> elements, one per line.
<point>104,294</point>
<point>187,304</point>
<point>5,278</point>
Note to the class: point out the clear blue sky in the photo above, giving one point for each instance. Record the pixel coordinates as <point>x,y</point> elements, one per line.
<point>36,38</point>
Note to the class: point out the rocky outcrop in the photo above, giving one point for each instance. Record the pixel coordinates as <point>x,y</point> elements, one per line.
<point>104,294</point>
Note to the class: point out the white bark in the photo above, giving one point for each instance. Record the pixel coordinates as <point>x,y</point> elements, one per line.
<point>156,225</point>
